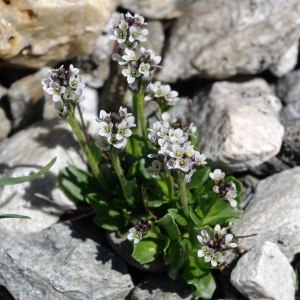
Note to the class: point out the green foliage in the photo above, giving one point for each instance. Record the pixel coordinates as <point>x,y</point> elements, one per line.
<point>173,236</point>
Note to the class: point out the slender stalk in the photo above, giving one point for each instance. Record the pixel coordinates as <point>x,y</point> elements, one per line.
<point>141,111</point>
<point>80,137</point>
<point>115,159</point>
<point>183,193</point>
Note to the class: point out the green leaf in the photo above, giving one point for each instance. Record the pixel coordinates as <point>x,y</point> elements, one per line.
<point>14,216</point>
<point>200,278</point>
<point>220,213</point>
<point>169,224</point>
<point>147,250</point>
<point>199,177</point>
<point>77,183</point>
<point>176,256</point>
<point>182,221</point>
<point>17,180</point>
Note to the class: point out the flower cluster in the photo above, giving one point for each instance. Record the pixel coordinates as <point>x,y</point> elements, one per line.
<point>139,229</point>
<point>65,86</point>
<point>171,136</point>
<point>115,128</point>
<point>225,189</point>
<point>137,62</point>
<point>215,248</point>
<point>161,93</point>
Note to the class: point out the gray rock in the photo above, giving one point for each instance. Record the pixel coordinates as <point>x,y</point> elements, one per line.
<point>288,89</point>
<point>28,151</point>
<point>273,214</point>
<point>161,287</point>
<point>157,9</point>
<point>25,98</point>
<point>5,125</point>
<point>30,37</point>
<point>264,273</point>
<point>231,37</point>
<point>238,124</point>
<point>60,264</point>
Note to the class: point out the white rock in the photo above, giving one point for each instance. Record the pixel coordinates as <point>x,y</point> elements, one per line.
<point>239,125</point>
<point>230,37</point>
<point>286,62</point>
<point>5,125</point>
<point>264,273</point>
<point>36,33</point>
<point>273,213</point>
<point>28,151</point>
<point>157,9</point>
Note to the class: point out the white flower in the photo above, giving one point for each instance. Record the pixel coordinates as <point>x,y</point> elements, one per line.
<point>103,144</point>
<point>217,175</point>
<point>228,241</point>
<point>206,253</point>
<point>123,131</point>
<point>137,34</point>
<point>131,73</point>
<point>204,238</point>
<point>219,232</point>
<point>199,158</point>
<point>134,235</point>
<point>105,128</point>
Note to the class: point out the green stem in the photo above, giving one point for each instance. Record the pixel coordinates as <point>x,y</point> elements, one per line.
<point>115,159</point>
<point>141,111</point>
<point>89,155</point>
<point>183,193</point>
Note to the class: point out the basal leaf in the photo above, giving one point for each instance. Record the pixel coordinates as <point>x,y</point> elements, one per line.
<point>147,250</point>
<point>169,224</point>
<point>17,180</point>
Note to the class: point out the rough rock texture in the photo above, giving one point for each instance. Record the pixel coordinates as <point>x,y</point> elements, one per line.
<point>5,125</point>
<point>60,264</point>
<point>157,9</point>
<point>264,273</point>
<point>273,213</point>
<point>27,151</point>
<point>30,36</point>
<point>288,89</point>
<point>156,287</point>
<point>24,97</point>
<point>219,39</point>
<point>238,124</point>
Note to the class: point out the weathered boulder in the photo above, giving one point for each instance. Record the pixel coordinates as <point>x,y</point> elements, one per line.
<point>218,39</point>
<point>59,263</point>
<point>264,273</point>
<point>239,124</point>
<point>273,214</point>
<point>27,151</point>
<point>36,33</point>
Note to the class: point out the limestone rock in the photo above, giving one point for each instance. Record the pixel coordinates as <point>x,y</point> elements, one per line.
<point>273,214</point>
<point>28,151</point>
<point>5,125</point>
<point>264,273</point>
<point>238,124</point>
<point>157,9</point>
<point>24,97</point>
<point>36,33</point>
<point>231,37</point>
<point>61,264</point>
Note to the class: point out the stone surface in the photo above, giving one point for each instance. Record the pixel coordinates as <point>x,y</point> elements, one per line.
<point>157,9</point>
<point>288,89</point>
<point>61,264</point>
<point>286,62</point>
<point>238,124</point>
<point>161,287</point>
<point>28,151</point>
<point>231,37</point>
<point>25,98</point>
<point>30,37</point>
<point>264,273</point>
<point>5,125</point>
<point>273,214</point>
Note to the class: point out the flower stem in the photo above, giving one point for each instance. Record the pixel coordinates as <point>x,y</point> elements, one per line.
<point>89,155</point>
<point>115,159</point>
<point>141,111</point>
<point>183,193</point>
